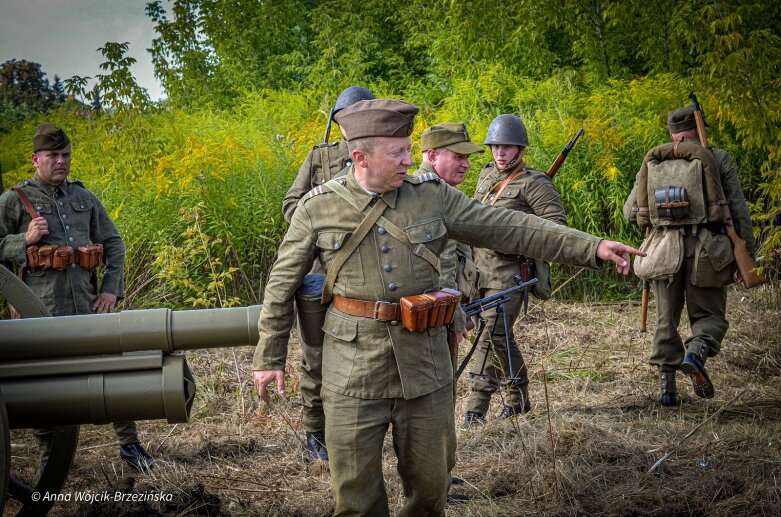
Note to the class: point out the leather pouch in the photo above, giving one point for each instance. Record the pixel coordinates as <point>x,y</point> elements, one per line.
<point>62,257</point>
<point>443,306</point>
<point>415,312</point>
<point>32,257</point>
<point>90,257</point>
<point>46,256</point>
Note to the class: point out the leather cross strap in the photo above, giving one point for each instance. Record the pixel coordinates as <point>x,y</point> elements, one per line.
<point>499,187</point>
<point>26,201</point>
<point>350,246</point>
<point>382,311</point>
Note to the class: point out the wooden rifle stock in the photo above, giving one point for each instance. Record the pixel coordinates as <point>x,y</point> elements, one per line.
<point>747,267</point>
<point>554,168</point>
<point>644,307</point>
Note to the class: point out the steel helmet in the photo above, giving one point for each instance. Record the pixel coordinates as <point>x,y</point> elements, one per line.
<point>508,130</point>
<point>351,95</point>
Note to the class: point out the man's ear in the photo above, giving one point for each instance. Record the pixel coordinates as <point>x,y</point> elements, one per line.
<point>35,159</point>
<point>359,157</point>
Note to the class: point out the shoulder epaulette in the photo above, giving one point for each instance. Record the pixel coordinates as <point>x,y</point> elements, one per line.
<point>315,192</point>
<point>417,179</point>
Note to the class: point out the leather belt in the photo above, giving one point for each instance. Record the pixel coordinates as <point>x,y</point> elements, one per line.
<point>382,311</point>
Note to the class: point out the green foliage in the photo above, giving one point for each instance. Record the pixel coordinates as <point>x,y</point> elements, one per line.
<point>195,184</point>
<point>25,92</point>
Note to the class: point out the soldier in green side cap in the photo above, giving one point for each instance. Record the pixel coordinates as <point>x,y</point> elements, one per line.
<point>706,269</point>
<point>379,233</point>
<point>54,244</point>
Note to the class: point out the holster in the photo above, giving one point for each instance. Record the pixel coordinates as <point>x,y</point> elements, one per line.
<point>527,269</point>
<point>429,310</point>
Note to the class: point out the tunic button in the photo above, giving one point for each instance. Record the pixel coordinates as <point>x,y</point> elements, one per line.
<point>64,216</point>
<point>82,206</point>
<point>39,207</point>
<point>388,268</point>
<point>70,239</point>
<point>337,245</point>
<point>428,236</point>
<point>392,286</point>
<point>381,230</point>
<point>61,203</point>
<point>67,227</point>
<point>385,248</point>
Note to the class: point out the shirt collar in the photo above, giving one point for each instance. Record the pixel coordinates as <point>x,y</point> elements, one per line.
<point>363,198</point>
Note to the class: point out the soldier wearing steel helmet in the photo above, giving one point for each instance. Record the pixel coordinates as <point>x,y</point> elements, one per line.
<point>325,161</point>
<point>379,232</point>
<point>509,183</point>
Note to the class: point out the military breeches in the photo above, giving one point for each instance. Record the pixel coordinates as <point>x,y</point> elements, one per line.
<point>424,440</point>
<point>497,364</point>
<point>706,308</point>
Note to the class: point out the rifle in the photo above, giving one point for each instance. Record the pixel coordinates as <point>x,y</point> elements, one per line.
<point>644,307</point>
<point>554,168</point>
<point>496,300</point>
<point>747,267</point>
<point>328,126</point>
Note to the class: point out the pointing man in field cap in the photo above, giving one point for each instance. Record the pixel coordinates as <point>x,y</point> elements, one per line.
<point>64,213</point>
<point>379,233</point>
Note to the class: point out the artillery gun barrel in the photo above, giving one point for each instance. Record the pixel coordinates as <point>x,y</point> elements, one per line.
<point>128,331</point>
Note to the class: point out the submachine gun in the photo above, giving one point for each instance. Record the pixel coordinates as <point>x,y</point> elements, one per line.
<point>95,369</point>
<point>495,301</point>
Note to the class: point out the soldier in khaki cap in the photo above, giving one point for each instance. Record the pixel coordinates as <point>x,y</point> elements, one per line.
<point>65,213</point>
<point>376,374</point>
<point>325,161</point>
<point>699,283</point>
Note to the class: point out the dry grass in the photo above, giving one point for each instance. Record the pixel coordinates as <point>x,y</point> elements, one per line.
<point>585,449</point>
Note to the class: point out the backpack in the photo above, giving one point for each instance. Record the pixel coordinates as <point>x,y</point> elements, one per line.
<point>679,184</point>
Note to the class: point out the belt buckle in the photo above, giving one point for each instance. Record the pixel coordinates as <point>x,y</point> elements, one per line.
<point>377,309</point>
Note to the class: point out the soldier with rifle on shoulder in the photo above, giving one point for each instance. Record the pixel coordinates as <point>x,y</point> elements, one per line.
<point>325,161</point>
<point>688,199</point>
<point>509,183</point>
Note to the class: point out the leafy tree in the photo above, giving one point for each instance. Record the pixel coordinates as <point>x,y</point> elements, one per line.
<point>24,91</point>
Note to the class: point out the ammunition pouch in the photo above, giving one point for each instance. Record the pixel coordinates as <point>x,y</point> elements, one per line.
<point>51,256</point>
<point>672,202</point>
<point>429,310</point>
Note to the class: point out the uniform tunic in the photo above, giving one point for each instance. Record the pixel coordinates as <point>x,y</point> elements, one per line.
<point>75,217</point>
<point>312,173</point>
<point>375,363</point>
<point>531,192</point>
<point>706,303</point>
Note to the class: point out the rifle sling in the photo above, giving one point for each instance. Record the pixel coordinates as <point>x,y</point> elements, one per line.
<point>26,202</point>
<point>499,187</point>
<point>325,159</point>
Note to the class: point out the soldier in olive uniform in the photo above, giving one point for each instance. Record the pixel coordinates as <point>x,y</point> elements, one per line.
<point>70,215</point>
<point>376,374</point>
<point>325,161</point>
<point>706,302</point>
<point>446,149</point>
<point>509,183</point>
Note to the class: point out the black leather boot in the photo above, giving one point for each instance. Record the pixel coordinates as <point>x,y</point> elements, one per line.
<point>315,446</point>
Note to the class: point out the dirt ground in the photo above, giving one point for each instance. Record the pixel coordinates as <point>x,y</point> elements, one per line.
<point>586,448</point>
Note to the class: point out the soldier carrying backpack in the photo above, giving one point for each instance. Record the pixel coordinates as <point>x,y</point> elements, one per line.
<point>679,198</point>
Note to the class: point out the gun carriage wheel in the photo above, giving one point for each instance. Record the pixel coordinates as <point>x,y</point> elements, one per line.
<point>64,439</point>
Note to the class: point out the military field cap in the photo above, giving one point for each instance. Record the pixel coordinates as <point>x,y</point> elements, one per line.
<point>452,135</point>
<point>681,119</point>
<point>377,117</point>
<point>49,137</point>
